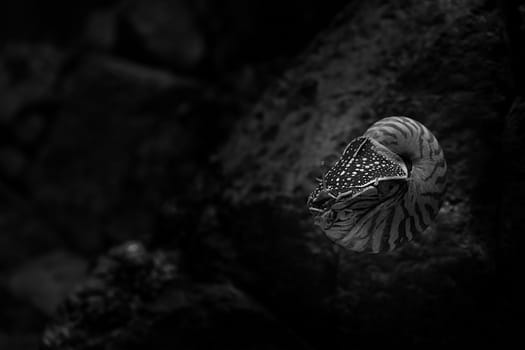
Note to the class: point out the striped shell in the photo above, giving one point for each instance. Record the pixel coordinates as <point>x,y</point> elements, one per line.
<point>384,190</point>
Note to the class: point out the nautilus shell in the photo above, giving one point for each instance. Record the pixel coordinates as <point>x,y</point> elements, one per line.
<point>384,190</point>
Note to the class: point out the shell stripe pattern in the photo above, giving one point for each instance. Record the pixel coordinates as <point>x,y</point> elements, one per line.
<point>426,182</point>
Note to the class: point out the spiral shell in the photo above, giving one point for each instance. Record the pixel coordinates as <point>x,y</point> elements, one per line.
<point>384,190</point>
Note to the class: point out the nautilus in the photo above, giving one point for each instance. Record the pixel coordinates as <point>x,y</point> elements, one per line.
<point>384,190</point>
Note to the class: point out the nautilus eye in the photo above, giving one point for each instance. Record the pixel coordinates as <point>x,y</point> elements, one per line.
<point>384,190</point>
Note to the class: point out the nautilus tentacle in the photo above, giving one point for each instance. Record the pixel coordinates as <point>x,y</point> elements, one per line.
<point>385,189</point>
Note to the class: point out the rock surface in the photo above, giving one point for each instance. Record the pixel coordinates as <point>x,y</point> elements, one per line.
<point>136,298</point>
<point>442,63</point>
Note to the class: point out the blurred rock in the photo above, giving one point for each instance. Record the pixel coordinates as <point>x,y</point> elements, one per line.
<point>216,316</point>
<point>28,73</point>
<point>125,139</point>
<point>110,306</point>
<point>29,129</point>
<point>25,233</point>
<point>20,318</point>
<point>135,73</point>
<point>12,162</point>
<point>136,298</point>
<point>101,29</point>
<point>167,30</point>
<point>19,341</point>
<point>46,281</point>
<point>85,172</point>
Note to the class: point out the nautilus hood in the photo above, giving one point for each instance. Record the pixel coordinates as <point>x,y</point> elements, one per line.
<point>363,163</point>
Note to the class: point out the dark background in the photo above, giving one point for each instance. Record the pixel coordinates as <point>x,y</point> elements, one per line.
<point>110,115</point>
<point>109,110</point>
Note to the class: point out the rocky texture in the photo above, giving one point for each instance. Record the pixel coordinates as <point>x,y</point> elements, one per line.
<point>136,298</point>
<point>112,299</point>
<point>442,63</point>
<point>369,66</point>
